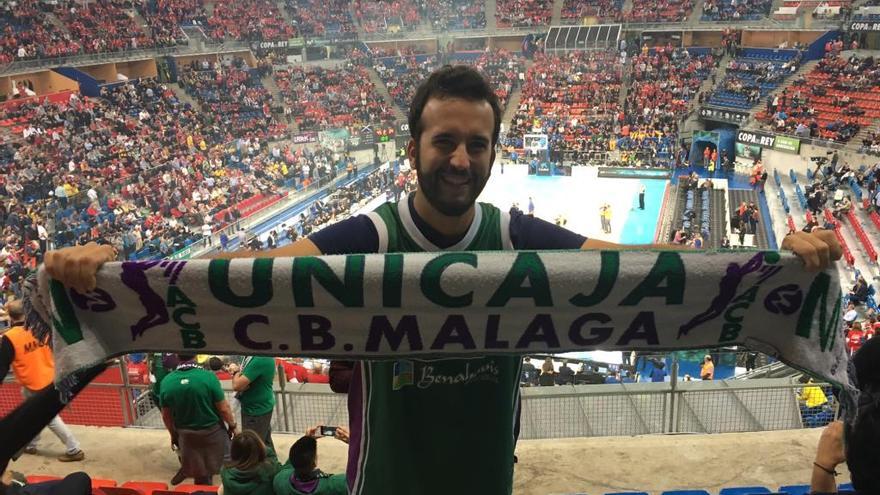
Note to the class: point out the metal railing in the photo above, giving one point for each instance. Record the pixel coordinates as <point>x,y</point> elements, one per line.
<point>579,410</point>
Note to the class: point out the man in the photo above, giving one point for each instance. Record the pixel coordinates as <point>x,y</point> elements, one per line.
<point>454,122</point>
<point>642,197</point>
<point>192,407</point>
<point>531,207</point>
<point>529,373</point>
<point>301,476</point>
<point>253,382</point>
<point>34,368</point>
<point>565,376</point>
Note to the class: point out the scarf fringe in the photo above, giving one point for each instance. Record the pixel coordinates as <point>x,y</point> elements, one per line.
<point>36,314</point>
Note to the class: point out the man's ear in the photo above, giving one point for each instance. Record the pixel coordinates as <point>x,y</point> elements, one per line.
<point>412,152</point>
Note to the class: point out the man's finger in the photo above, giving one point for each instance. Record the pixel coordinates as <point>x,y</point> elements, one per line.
<point>805,250</point>
<point>835,251</point>
<point>822,250</point>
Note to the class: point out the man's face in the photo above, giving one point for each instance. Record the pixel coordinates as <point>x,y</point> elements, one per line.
<point>453,158</point>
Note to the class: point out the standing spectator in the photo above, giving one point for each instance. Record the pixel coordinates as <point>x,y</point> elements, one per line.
<point>658,374</point>
<point>751,359</point>
<point>531,207</point>
<point>34,368</point>
<point>855,337</point>
<point>252,467</point>
<point>193,405</point>
<point>547,377</point>
<point>206,233</point>
<point>254,386</point>
<point>707,370</point>
<point>529,372</point>
<point>642,197</point>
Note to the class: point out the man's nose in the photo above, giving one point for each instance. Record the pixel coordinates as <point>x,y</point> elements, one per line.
<point>460,158</point>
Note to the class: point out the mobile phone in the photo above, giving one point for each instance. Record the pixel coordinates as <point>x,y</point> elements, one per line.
<point>328,431</point>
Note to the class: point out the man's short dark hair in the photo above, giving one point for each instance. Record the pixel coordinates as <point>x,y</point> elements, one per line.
<point>185,357</point>
<point>215,363</point>
<point>302,455</point>
<point>459,81</point>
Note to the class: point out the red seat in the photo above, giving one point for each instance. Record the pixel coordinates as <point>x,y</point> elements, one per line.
<point>40,478</point>
<point>168,492</point>
<point>102,483</point>
<point>197,488</point>
<point>118,490</point>
<point>146,487</point>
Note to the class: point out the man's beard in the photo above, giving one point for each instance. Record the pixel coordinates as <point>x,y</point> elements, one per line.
<point>429,185</point>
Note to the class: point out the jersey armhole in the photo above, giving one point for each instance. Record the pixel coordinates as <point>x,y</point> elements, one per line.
<point>506,243</point>
<point>381,231</point>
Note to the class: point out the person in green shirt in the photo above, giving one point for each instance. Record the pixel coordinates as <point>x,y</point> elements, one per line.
<point>252,469</point>
<point>300,474</point>
<point>253,383</point>
<point>193,405</point>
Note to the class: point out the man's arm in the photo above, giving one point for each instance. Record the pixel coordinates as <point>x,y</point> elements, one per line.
<point>168,419</point>
<point>240,383</point>
<point>225,413</point>
<point>7,355</point>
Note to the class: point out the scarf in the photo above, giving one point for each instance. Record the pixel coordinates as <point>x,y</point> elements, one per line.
<point>450,304</point>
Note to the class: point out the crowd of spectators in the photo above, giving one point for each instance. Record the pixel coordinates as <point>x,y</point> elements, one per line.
<point>735,10</point>
<point>457,14</point>
<point>523,13</point>
<point>164,17</point>
<point>232,94</point>
<point>403,74</point>
<point>664,81</point>
<point>660,11</point>
<point>834,101</point>
<point>107,26</point>
<point>747,80</point>
<point>609,10</point>
<point>574,99</point>
<point>389,15</point>
<point>26,33</point>
<point>319,18</point>
<point>318,98</point>
<point>249,20</point>
<point>501,67</point>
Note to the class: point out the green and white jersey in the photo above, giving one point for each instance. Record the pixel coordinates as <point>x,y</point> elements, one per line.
<point>443,426</point>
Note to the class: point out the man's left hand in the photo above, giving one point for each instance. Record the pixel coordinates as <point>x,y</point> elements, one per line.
<point>819,249</point>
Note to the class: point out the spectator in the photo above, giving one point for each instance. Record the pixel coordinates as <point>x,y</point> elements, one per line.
<point>34,369</point>
<point>529,372</point>
<point>565,375</point>
<point>252,467</point>
<point>301,476</point>
<point>707,370</point>
<point>658,373</point>
<point>548,374</point>
<point>253,384</point>
<point>193,405</point>
<point>855,444</point>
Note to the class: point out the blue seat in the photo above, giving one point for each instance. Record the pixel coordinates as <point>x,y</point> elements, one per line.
<point>845,487</point>
<point>686,492</point>
<point>627,493</point>
<point>795,489</point>
<point>746,490</point>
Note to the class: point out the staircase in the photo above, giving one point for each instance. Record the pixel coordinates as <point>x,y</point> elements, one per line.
<point>715,76</point>
<point>284,13</point>
<point>382,90</point>
<point>269,83</point>
<point>737,196</point>
<point>696,14</point>
<point>491,21</point>
<point>717,218</point>
<point>183,96</point>
<point>140,21</point>
<point>556,19</point>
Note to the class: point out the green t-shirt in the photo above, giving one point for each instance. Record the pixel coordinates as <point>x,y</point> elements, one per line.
<point>326,484</point>
<point>191,393</point>
<point>259,398</point>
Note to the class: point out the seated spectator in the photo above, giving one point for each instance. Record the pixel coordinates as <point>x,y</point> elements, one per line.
<point>658,373</point>
<point>251,469</point>
<point>855,443</point>
<point>321,18</point>
<point>249,20</point>
<point>105,27</point>
<point>548,374</point>
<point>27,33</point>
<point>300,474</point>
<point>523,13</point>
<point>660,10</point>
<point>605,10</point>
<point>387,15</point>
<point>565,376</point>
<point>457,14</point>
<point>317,374</point>
<point>529,372</point>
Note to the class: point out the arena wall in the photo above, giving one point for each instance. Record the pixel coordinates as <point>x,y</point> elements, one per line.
<point>42,82</point>
<point>772,39</point>
<point>137,69</point>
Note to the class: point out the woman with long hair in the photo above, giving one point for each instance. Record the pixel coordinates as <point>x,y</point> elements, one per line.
<point>251,468</point>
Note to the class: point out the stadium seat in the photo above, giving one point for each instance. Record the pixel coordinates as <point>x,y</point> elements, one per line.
<point>627,493</point>
<point>795,489</point>
<point>39,478</point>
<point>101,483</point>
<point>686,492</point>
<point>146,487</point>
<point>168,492</point>
<point>196,488</point>
<point>746,490</point>
<point>118,490</point>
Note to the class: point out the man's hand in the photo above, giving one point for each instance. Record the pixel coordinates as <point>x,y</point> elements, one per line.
<point>6,479</point>
<point>76,266</point>
<point>231,430</point>
<point>819,249</point>
<point>175,445</point>
<point>314,431</point>
<point>830,453</point>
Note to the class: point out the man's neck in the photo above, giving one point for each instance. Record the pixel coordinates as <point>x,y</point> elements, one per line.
<point>443,224</point>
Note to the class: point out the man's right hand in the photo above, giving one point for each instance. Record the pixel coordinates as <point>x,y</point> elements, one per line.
<point>76,266</point>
